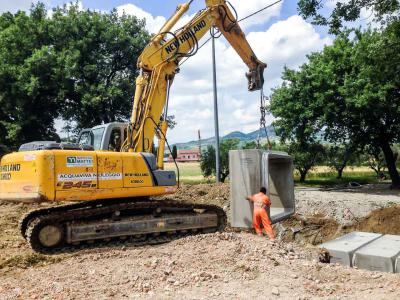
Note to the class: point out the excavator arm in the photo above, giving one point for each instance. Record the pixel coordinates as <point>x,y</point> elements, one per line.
<point>159,62</point>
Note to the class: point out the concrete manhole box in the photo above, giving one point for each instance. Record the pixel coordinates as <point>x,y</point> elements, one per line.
<point>252,169</point>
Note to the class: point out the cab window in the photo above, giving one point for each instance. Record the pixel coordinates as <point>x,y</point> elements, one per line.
<point>115,140</point>
<point>84,139</point>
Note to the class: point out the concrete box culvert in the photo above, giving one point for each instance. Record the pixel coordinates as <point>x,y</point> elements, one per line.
<point>342,249</point>
<point>379,255</point>
<point>252,169</point>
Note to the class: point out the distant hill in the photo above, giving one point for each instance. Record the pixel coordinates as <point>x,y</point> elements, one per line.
<point>243,137</point>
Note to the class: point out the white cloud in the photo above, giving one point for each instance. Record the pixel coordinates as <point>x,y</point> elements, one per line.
<point>243,8</point>
<point>153,24</point>
<point>247,7</point>
<point>286,42</point>
<point>15,5</point>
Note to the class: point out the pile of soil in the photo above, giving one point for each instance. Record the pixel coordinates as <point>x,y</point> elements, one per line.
<point>319,228</point>
<point>384,220</point>
<point>203,193</point>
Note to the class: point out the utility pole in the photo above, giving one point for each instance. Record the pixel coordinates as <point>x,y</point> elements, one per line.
<point>216,126</point>
<point>198,131</point>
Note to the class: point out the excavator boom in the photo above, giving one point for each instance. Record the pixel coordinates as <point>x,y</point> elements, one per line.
<point>159,62</point>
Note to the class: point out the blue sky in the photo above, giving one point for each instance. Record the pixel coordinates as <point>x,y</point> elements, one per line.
<point>278,36</point>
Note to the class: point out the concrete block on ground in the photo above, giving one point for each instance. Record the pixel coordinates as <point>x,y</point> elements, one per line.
<point>342,249</point>
<point>379,255</point>
<point>252,169</point>
<point>397,269</point>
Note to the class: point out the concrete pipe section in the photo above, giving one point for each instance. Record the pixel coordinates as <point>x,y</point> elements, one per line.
<point>252,169</point>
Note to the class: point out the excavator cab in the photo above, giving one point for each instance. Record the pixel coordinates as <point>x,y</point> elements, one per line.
<point>107,137</point>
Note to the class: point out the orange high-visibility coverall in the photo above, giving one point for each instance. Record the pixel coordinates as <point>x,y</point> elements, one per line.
<point>260,201</point>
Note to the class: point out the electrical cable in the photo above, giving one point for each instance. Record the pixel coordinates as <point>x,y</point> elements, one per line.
<point>260,10</point>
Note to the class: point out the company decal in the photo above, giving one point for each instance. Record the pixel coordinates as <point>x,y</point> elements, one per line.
<point>110,176</point>
<point>137,181</point>
<point>136,174</point>
<point>79,161</point>
<point>7,169</point>
<point>5,176</point>
<point>185,36</point>
<point>29,157</point>
<point>89,176</point>
<point>77,185</point>
<point>10,168</point>
<point>77,177</point>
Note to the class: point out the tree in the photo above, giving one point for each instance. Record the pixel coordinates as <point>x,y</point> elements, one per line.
<point>305,157</point>
<point>225,146</point>
<point>338,156</point>
<point>3,150</point>
<point>374,158</point>
<point>297,110</point>
<point>97,55</point>
<point>349,92</point>
<point>207,161</point>
<point>171,121</point>
<point>174,152</point>
<point>78,65</point>
<point>253,145</point>
<point>28,78</point>
<point>382,11</point>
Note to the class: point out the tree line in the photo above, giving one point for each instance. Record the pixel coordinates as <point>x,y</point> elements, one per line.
<point>347,95</point>
<point>342,106</point>
<point>79,66</point>
<point>335,157</point>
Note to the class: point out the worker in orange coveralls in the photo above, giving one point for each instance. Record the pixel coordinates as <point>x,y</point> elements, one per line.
<point>261,201</point>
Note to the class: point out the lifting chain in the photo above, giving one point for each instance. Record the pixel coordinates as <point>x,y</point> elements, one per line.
<point>263,111</point>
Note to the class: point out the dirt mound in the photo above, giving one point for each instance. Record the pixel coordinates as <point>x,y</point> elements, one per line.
<point>203,193</point>
<point>319,228</point>
<point>308,230</point>
<point>384,220</point>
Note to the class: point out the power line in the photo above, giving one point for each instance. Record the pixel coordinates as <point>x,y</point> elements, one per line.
<point>260,10</point>
<point>242,19</point>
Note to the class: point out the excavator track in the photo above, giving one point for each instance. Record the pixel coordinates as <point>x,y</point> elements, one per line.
<point>142,221</point>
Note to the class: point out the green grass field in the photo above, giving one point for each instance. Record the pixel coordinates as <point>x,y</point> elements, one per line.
<point>190,173</point>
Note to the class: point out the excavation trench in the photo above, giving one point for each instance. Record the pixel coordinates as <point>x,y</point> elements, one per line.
<point>302,229</point>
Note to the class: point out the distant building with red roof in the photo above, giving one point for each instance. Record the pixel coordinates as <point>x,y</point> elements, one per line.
<point>186,156</point>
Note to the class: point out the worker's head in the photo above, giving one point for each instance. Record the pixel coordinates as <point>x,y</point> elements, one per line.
<point>263,190</point>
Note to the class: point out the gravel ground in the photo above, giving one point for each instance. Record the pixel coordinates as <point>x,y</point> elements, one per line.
<point>345,205</point>
<point>235,265</point>
<point>217,266</point>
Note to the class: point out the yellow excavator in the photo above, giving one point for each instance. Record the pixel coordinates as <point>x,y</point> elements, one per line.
<point>112,187</point>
